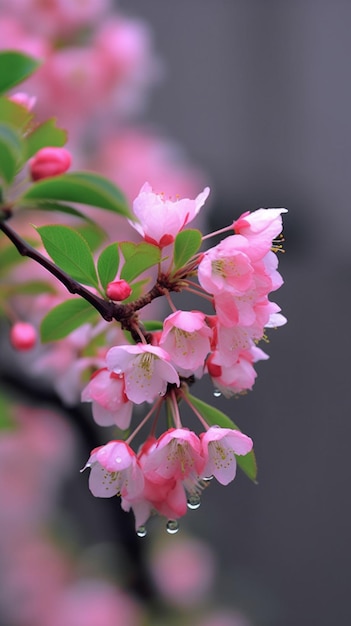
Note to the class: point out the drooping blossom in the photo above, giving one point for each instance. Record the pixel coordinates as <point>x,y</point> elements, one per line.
<point>176,454</point>
<point>220,445</point>
<point>115,470</point>
<point>110,404</point>
<point>160,219</point>
<point>186,337</point>
<point>147,370</point>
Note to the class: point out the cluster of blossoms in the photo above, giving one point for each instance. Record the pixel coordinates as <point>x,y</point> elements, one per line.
<point>168,473</point>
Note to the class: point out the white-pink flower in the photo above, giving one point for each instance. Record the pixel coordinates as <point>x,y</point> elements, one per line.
<point>260,228</point>
<point>115,470</point>
<point>160,219</point>
<point>110,404</point>
<point>186,338</point>
<point>147,370</point>
<point>220,445</point>
<point>177,454</point>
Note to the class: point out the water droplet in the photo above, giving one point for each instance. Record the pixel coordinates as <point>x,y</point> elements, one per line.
<point>194,502</point>
<point>172,526</point>
<point>141,531</point>
<point>217,393</point>
<point>207,479</point>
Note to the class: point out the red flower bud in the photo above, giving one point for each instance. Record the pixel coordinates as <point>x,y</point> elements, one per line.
<point>49,162</point>
<point>23,336</point>
<point>118,290</point>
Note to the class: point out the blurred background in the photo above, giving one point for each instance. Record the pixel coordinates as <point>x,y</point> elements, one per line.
<point>257,94</point>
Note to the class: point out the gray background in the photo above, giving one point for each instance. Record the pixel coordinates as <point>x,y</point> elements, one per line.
<point>258,91</point>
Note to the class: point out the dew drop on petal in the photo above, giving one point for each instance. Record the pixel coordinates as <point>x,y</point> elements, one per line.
<point>172,526</point>
<point>194,502</point>
<point>141,531</point>
<point>217,393</point>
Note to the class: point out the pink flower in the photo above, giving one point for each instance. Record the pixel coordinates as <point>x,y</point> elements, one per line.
<point>110,403</point>
<point>177,454</point>
<point>115,470</point>
<point>227,267</point>
<point>147,370</point>
<point>260,228</point>
<point>186,337</point>
<point>49,162</point>
<point>160,219</point>
<point>220,445</point>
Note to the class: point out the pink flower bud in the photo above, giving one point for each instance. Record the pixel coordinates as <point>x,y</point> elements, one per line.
<point>118,290</point>
<point>23,336</point>
<point>49,162</point>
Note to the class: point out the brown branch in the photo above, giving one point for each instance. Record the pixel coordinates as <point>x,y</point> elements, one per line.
<point>125,314</point>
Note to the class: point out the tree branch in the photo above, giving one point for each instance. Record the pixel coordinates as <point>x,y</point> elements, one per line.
<point>125,314</point>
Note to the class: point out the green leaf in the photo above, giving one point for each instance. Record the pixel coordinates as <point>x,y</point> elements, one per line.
<point>14,114</point>
<point>83,187</point>
<point>145,256</point>
<point>45,134</point>
<point>186,244</point>
<point>65,318</point>
<point>215,417</point>
<point>50,205</point>
<point>107,264</point>
<point>151,325</point>
<point>70,252</point>
<point>128,248</point>
<point>11,149</point>
<point>15,67</point>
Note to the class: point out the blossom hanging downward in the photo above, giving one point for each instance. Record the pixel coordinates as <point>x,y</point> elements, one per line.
<point>160,219</point>
<point>220,445</point>
<point>114,471</point>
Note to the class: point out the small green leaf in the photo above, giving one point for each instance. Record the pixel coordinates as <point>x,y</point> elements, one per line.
<point>15,67</point>
<point>11,149</point>
<point>215,417</point>
<point>128,248</point>
<point>14,114</point>
<point>145,256</point>
<point>83,187</point>
<point>45,134</point>
<point>186,244</point>
<point>107,264</point>
<point>70,252</point>
<point>65,318</point>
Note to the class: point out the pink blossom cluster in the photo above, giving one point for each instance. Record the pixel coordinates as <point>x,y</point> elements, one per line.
<point>168,473</point>
<point>236,276</point>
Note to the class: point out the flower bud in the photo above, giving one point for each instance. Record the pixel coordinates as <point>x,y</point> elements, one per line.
<point>23,336</point>
<point>118,290</point>
<point>48,162</point>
